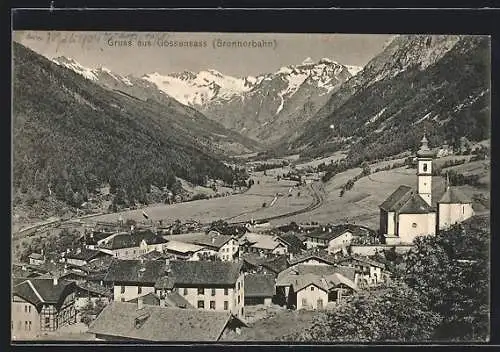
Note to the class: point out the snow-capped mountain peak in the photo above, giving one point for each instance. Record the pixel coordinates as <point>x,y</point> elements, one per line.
<point>75,66</point>
<point>307,61</point>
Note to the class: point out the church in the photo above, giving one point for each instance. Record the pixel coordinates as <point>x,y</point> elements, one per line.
<point>408,213</point>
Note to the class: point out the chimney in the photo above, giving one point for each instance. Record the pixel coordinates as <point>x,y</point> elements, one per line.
<point>55,280</point>
<point>140,303</point>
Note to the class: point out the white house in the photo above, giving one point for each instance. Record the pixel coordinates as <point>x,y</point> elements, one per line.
<point>333,239</point>
<point>454,207</point>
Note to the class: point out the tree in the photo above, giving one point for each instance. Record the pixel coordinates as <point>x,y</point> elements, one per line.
<point>374,316</point>
<point>99,306</point>
<point>87,312</point>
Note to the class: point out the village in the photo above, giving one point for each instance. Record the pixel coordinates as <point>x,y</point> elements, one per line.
<point>128,279</point>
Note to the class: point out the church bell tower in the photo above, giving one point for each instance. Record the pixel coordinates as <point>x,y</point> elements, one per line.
<point>424,171</point>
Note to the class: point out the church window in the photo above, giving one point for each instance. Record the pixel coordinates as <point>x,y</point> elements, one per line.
<point>414,225</point>
<point>425,167</point>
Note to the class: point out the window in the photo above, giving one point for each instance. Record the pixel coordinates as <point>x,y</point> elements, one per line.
<point>242,311</point>
<point>139,290</point>
<point>26,325</point>
<point>414,225</point>
<point>238,299</point>
<point>226,292</point>
<point>201,304</point>
<point>12,323</point>
<point>122,299</point>
<point>201,291</point>
<point>312,288</point>
<point>185,291</point>
<point>213,292</point>
<point>304,302</point>
<point>29,325</point>
<point>226,305</point>
<point>47,322</point>
<point>212,304</point>
<point>29,309</point>
<point>238,285</point>
<point>425,166</point>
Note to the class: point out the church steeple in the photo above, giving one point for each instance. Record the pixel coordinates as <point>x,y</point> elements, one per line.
<point>424,171</point>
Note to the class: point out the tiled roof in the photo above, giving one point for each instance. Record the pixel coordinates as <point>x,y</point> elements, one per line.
<point>395,200</point>
<point>205,273</point>
<point>213,241</point>
<point>287,277</point>
<point>135,271</point>
<point>152,323</point>
<point>38,291</point>
<point>259,285</point>
<point>325,282</point>
<point>454,196</point>
<point>415,205</point>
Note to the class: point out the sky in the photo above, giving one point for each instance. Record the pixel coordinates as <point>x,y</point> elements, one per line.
<point>141,52</point>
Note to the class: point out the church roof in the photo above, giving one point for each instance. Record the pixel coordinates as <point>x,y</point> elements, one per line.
<point>415,205</point>
<point>397,198</point>
<point>405,200</point>
<point>454,196</point>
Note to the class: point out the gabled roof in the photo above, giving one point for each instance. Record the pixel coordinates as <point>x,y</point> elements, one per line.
<point>328,233</point>
<point>320,256</point>
<point>213,240</point>
<point>288,276</point>
<point>172,300</point>
<point>259,285</point>
<point>43,291</point>
<point>150,299</point>
<point>454,196</point>
<point>135,271</point>
<point>395,200</point>
<point>324,282</point>
<point>152,323</point>
<point>214,273</point>
<point>415,205</point>
<point>93,287</point>
<point>182,247</point>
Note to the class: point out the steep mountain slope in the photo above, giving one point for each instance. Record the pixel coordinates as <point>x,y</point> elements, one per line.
<point>265,107</point>
<point>221,139</point>
<point>437,84</point>
<point>71,135</point>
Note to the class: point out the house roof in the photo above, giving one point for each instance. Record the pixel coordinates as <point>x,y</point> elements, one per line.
<point>135,271</point>
<point>328,233</point>
<point>150,299</point>
<point>295,245</point>
<point>93,287</point>
<point>129,240</point>
<point>153,323</point>
<point>21,271</point>
<point>405,200</point>
<point>231,230</point>
<point>213,240</point>
<point>274,264</point>
<point>154,255</point>
<point>454,196</point>
<point>38,291</point>
<point>182,247</point>
<point>96,237</point>
<point>205,272</point>
<point>324,282</point>
<point>37,256</point>
<point>165,282</point>
<point>288,276</point>
<point>321,256</point>
<point>85,254</point>
<point>261,241</point>
<point>259,285</point>
<point>172,299</point>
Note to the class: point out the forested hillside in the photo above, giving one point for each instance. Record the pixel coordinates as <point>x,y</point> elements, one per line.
<point>438,84</point>
<point>70,136</point>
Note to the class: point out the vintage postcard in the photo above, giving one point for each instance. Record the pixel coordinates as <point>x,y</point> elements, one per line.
<point>223,187</point>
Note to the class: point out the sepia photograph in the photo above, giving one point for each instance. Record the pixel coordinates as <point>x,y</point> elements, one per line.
<point>184,187</point>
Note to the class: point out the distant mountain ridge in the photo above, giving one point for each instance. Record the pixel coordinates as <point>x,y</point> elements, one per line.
<point>263,108</point>
<point>434,83</point>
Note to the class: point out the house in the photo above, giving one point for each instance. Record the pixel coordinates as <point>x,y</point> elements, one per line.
<point>186,251</point>
<point>255,263</point>
<point>156,255</point>
<point>133,278</point>
<point>95,239</point>
<point>86,291</point>
<point>333,239</point>
<point>224,246</point>
<point>36,258</point>
<point>171,299</point>
<point>368,272</point>
<point>123,321</point>
<point>209,285</point>
<point>408,213</point>
<point>259,289</point>
<point>263,244</point>
<point>23,271</point>
<point>314,286</point>
<point>313,257</point>
<point>453,207</point>
<point>294,244</point>
<point>133,244</point>
<point>82,256</point>
<point>255,226</point>
<point>41,305</point>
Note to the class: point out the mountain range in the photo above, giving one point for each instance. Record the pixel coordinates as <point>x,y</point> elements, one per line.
<point>264,108</point>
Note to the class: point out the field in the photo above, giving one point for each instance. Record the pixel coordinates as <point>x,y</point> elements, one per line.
<point>237,207</point>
